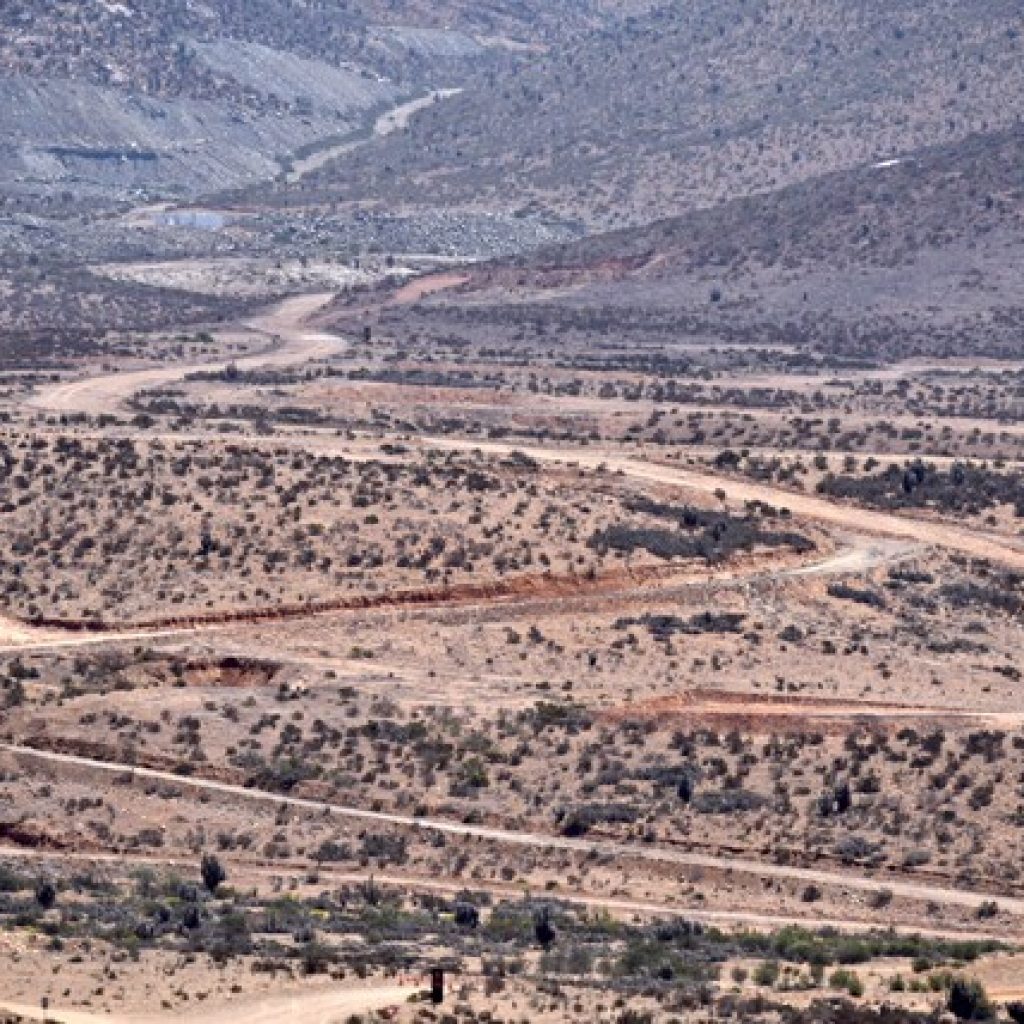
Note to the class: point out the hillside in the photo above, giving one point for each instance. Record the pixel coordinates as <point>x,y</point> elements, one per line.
<point>137,100</point>
<point>922,257</point>
<point>691,104</point>
<point>760,151</point>
<point>512,510</point>
<point>155,47</point>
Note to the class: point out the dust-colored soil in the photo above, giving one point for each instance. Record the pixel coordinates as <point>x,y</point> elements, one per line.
<point>1003,977</point>
<point>290,344</point>
<point>533,840</point>
<point>722,710</point>
<point>970,542</point>
<point>300,1007</point>
<point>148,712</point>
<point>50,634</point>
<point>423,286</point>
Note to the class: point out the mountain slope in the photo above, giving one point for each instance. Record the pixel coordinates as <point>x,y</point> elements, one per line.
<point>216,94</point>
<point>922,257</point>
<point>691,104</point>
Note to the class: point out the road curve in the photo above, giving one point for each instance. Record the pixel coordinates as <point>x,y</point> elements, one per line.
<point>286,323</point>
<point>848,517</point>
<point>390,121</point>
<point>534,840</point>
<point>104,393</point>
<point>859,557</point>
<point>291,345</point>
<point>894,535</point>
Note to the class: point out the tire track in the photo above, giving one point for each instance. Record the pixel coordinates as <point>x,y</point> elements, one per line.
<point>456,886</point>
<point>920,891</point>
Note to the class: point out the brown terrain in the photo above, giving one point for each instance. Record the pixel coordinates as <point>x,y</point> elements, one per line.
<point>528,490</point>
<point>651,682</point>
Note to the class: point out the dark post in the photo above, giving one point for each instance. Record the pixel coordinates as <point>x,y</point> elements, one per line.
<point>437,986</point>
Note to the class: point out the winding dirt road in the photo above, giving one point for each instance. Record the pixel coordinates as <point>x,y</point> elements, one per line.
<point>392,120</point>
<point>874,537</point>
<point>847,517</point>
<point>295,344</point>
<point>861,556</point>
<point>290,345</point>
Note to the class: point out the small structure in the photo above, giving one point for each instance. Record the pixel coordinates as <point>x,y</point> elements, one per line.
<point>437,986</point>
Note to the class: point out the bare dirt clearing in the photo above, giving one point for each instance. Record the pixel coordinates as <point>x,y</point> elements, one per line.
<point>301,1007</point>
<point>424,286</point>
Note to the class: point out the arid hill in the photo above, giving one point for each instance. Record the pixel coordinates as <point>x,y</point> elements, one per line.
<point>919,256</point>
<point>168,99</point>
<point>691,104</point>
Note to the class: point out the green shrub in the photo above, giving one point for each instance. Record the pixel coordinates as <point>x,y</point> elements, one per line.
<point>848,980</point>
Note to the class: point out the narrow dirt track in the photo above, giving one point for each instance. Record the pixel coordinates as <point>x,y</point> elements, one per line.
<point>739,710</point>
<point>532,840</point>
<point>17,637</point>
<point>518,596</point>
<point>453,887</point>
<point>393,120</point>
<point>421,287</point>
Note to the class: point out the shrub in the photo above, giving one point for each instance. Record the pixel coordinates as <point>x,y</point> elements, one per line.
<point>466,915</point>
<point>46,894</point>
<point>968,1000</point>
<point>1015,1011</point>
<point>849,980</point>
<point>212,871</point>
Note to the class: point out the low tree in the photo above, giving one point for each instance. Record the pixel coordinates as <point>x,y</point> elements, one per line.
<point>685,789</point>
<point>46,894</point>
<point>968,1001</point>
<point>466,915</point>
<point>213,872</point>
<point>543,929</point>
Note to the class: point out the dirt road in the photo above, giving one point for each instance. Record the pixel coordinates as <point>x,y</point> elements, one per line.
<point>420,287</point>
<point>847,517</point>
<point>894,535</point>
<point>289,345</point>
<point>320,1006</point>
<point>858,555</point>
<point>245,871</point>
<point>390,121</point>
<point>296,345</point>
<point>532,840</point>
